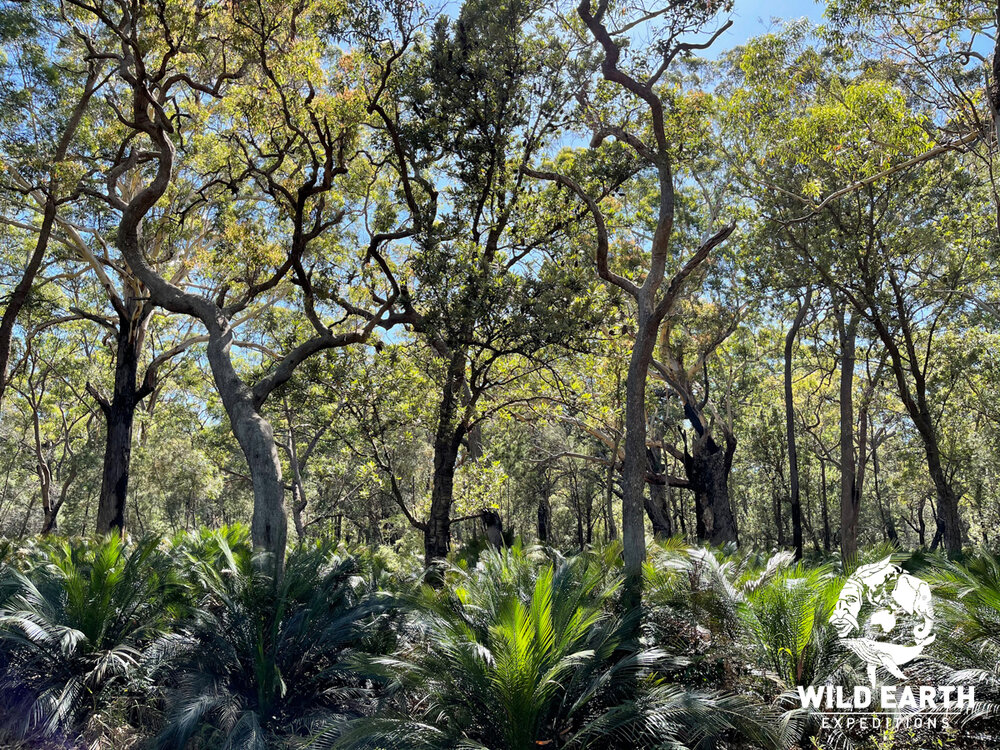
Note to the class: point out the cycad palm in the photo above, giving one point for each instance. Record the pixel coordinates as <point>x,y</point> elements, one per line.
<point>77,622</point>
<point>967,647</point>
<point>261,657</point>
<point>523,655</point>
<point>789,619</point>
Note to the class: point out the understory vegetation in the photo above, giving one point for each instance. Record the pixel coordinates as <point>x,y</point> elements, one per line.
<point>191,642</point>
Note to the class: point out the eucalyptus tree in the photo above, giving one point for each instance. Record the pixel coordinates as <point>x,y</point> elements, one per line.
<point>60,425</point>
<point>645,122</point>
<point>948,58</point>
<point>57,95</point>
<point>258,104</point>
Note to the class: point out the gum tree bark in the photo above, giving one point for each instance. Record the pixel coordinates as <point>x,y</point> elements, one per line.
<point>119,414</point>
<point>448,437</point>
<point>656,503</point>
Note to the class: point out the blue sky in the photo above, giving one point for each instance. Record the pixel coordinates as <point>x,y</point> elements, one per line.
<point>753,17</point>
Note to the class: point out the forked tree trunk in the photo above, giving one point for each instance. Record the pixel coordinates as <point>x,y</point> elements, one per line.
<point>949,523</point>
<point>49,511</point>
<point>707,466</point>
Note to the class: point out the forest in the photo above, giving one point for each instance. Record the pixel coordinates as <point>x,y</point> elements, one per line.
<point>499,374</point>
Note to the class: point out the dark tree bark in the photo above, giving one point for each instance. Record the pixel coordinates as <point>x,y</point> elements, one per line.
<point>779,522</point>
<point>793,454</point>
<point>493,527</point>
<point>544,511</point>
<point>545,519</point>
<point>448,437</point>
<point>119,414</point>
<point>849,491</point>
<point>656,503</point>
<point>707,466</point>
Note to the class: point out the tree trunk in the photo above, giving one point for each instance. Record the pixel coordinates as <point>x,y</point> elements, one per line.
<point>545,519</point>
<point>447,439</point>
<point>298,505</point>
<point>707,467</point>
<point>437,535</point>
<point>120,417</point>
<point>298,489</point>
<point>849,497</point>
<point>493,526</point>
<point>610,529</point>
<point>44,471</point>
<point>794,497</point>
<point>949,524</point>
<point>50,523</point>
<point>268,526</point>
<point>659,515</point>
<point>779,522</point>
<point>19,295</point>
<point>43,468</point>
<point>826,506</point>
<point>888,524</point>
<point>656,503</point>
<point>634,467</point>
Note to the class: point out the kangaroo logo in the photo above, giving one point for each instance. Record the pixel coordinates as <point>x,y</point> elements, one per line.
<point>897,599</point>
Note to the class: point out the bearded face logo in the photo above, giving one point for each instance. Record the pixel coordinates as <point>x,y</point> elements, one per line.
<point>900,621</point>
